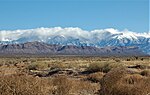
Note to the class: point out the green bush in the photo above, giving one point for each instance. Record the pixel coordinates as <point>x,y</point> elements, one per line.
<point>32,67</point>
<point>103,67</point>
<point>37,66</point>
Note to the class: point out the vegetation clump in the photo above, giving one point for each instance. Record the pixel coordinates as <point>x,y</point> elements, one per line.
<point>120,82</point>
<point>103,67</point>
<point>146,73</point>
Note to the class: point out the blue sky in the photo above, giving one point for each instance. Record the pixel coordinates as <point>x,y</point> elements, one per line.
<point>86,14</point>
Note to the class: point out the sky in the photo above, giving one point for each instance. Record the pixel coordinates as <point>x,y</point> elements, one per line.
<point>85,14</point>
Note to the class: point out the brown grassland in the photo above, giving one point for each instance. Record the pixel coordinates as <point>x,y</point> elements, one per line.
<point>75,75</point>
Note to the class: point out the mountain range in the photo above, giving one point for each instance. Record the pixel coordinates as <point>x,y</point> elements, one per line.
<point>77,38</point>
<point>40,49</point>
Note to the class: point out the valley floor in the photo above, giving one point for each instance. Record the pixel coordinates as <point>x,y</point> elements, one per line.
<point>72,75</point>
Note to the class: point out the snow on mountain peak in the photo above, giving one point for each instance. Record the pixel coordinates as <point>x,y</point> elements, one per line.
<point>77,36</point>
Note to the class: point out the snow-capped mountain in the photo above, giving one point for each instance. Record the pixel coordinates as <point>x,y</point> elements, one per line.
<point>78,37</point>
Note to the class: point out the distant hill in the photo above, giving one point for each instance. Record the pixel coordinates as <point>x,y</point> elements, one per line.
<point>40,48</point>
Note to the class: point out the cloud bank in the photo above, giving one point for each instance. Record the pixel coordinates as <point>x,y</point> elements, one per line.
<point>47,33</point>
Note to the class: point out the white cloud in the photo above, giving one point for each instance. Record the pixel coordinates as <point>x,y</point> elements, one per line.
<point>45,33</point>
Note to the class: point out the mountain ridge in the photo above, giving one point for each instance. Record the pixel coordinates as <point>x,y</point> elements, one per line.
<point>78,37</point>
<point>40,48</point>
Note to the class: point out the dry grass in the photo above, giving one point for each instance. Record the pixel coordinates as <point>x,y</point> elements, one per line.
<point>75,76</point>
<point>120,82</point>
<point>23,85</point>
<point>63,85</point>
<point>69,86</point>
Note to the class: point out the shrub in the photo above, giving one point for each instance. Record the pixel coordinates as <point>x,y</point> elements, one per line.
<point>139,66</point>
<point>117,60</point>
<point>120,82</point>
<point>37,66</point>
<point>96,67</point>
<point>82,87</point>
<point>32,67</point>
<point>23,85</point>
<point>63,85</point>
<point>146,73</point>
<point>95,77</point>
<point>102,67</point>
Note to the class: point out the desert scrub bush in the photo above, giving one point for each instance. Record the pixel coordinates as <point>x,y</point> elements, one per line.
<point>128,59</point>
<point>33,60</point>
<point>120,82</point>
<point>117,60</point>
<point>133,85</point>
<point>32,67</point>
<point>146,72</point>
<point>95,77</point>
<point>111,78</point>
<point>82,87</point>
<point>1,64</point>
<point>68,86</point>
<point>56,65</point>
<point>131,79</point>
<point>37,66</point>
<point>103,67</point>
<point>139,66</point>
<point>62,84</point>
<point>24,85</point>
<point>98,67</point>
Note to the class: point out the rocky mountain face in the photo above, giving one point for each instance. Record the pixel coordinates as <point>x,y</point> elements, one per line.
<point>39,48</point>
<point>77,37</point>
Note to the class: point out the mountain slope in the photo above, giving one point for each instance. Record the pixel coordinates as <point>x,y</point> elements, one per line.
<point>78,37</point>
<point>39,48</point>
